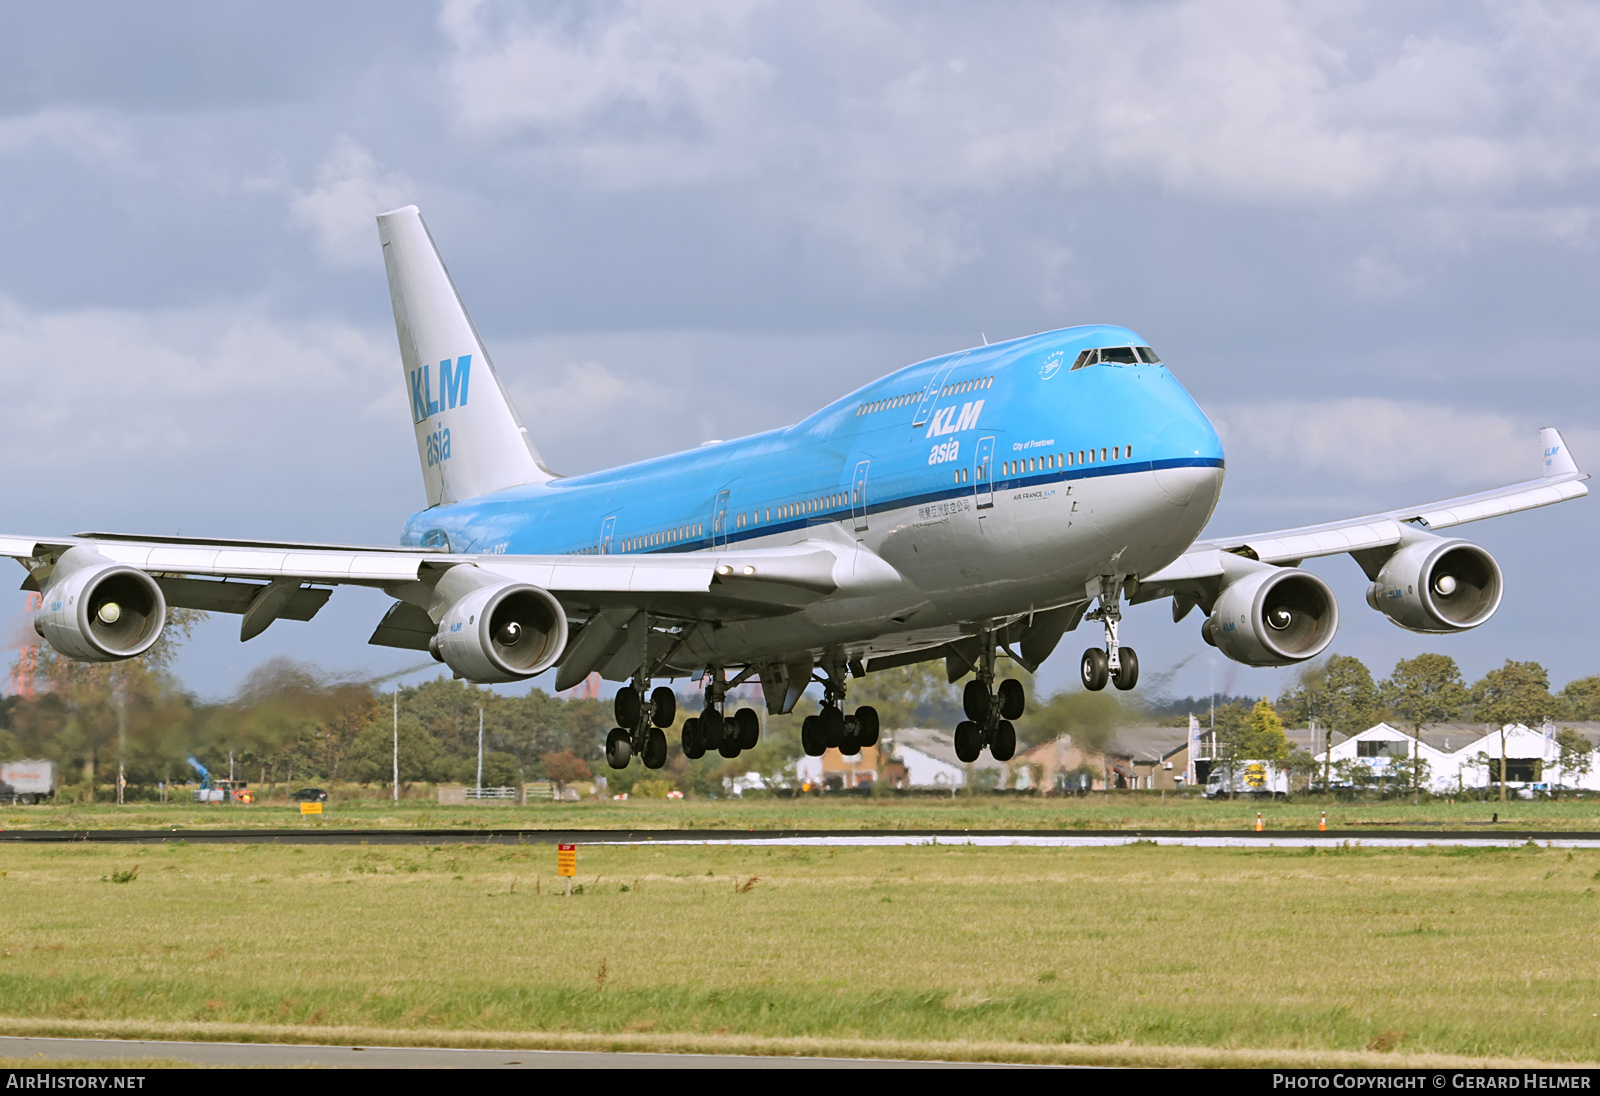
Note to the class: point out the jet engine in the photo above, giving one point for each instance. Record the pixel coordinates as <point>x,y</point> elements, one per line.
<point>496,631</point>
<point>1275,616</point>
<point>1436,585</point>
<point>96,610</point>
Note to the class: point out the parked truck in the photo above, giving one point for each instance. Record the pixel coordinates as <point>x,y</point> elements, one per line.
<point>1248,778</point>
<point>27,781</point>
<point>216,789</point>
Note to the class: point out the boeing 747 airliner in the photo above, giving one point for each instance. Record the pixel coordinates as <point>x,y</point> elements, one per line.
<point>983,502</point>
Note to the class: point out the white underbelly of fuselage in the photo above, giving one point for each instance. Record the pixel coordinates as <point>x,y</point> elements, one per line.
<point>962,563</point>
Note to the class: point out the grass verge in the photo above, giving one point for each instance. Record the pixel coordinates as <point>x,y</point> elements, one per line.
<point>768,1046</point>
<point>1137,954</point>
<point>1113,811</point>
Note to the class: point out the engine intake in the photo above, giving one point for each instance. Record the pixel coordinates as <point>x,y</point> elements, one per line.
<point>1435,586</point>
<point>1273,617</point>
<point>497,632</point>
<point>95,610</point>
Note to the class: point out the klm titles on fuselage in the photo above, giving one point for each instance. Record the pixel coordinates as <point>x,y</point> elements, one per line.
<point>942,424</point>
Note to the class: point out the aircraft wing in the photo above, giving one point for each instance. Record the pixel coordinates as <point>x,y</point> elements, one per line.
<point>1206,560</point>
<point>266,581</point>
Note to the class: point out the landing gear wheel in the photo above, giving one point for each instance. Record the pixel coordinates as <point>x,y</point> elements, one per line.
<point>811,736</point>
<point>832,726</point>
<point>626,706</point>
<point>1003,743</point>
<point>975,701</point>
<point>1127,668</point>
<point>850,742</point>
<point>619,751</point>
<point>867,725</point>
<point>664,707</point>
<point>1096,669</point>
<point>713,728</point>
<point>969,741</point>
<point>694,739</point>
<point>1013,701</point>
<point>749,725</point>
<point>655,748</point>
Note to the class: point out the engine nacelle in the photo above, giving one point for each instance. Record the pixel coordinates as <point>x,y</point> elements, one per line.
<point>95,610</point>
<point>1436,585</point>
<point>1276,616</point>
<point>498,631</point>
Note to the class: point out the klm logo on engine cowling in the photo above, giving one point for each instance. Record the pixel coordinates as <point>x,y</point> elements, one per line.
<point>453,380</point>
<point>946,421</point>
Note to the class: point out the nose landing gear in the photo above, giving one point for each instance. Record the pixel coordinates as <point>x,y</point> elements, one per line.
<point>1116,663</point>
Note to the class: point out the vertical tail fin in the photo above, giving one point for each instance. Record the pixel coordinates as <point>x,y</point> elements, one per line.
<point>469,438</point>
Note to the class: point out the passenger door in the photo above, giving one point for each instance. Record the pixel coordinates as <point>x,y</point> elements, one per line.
<point>719,521</point>
<point>931,395</point>
<point>858,497</point>
<point>983,474</point>
<point>607,529</point>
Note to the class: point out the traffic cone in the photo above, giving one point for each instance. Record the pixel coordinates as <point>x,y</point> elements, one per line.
<point>1260,825</point>
<point>1323,825</point>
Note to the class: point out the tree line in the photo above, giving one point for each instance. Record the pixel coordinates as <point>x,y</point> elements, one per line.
<point>290,724</point>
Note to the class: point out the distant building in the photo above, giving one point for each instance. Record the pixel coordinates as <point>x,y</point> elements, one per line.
<point>836,771</point>
<point>1468,755</point>
<point>924,758</point>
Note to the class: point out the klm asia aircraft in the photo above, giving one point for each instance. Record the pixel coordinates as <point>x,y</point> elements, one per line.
<point>982,502</point>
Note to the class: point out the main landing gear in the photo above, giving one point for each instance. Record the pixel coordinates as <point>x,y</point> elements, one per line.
<point>831,728</point>
<point>989,708</point>
<point>729,735</point>
<point>1117,664</point>
<point>642,722</point>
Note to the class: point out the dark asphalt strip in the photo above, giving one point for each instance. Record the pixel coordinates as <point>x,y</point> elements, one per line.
<point>599,837</point>
<point>369,1057</point>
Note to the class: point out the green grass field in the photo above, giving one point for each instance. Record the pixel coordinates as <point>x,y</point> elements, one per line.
<point>1134,954</point>
<point>1115,811</point>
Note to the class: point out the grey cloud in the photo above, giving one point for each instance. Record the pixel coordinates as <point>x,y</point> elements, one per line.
<point>1343,225</point>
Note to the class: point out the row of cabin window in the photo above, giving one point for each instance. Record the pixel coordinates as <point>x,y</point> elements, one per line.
<point>916,397</point>
<point>885,405</point>
<point>809,506</point>
<point>740,521</point>
<point>666,536</point>
<point>1062,460</point>
<point>965,386</point>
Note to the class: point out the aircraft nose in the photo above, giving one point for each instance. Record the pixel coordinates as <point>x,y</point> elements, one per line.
<point>1185,449</point>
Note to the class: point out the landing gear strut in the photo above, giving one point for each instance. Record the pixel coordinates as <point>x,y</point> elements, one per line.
<point>712,729</point>
<point>642,722</point>
<point>1116,663</point>
<point>830,727</point>
<point>989,709</point>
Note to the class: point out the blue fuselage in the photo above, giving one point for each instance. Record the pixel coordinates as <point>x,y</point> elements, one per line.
<point>997,481</point>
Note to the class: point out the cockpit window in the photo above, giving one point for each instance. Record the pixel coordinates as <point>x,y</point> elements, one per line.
<point>1117,355</point>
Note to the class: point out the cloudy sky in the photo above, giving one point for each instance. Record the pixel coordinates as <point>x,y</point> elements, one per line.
<point>1363,235</point>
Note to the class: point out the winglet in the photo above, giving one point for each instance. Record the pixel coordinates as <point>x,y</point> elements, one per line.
<point>1556,457</point>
